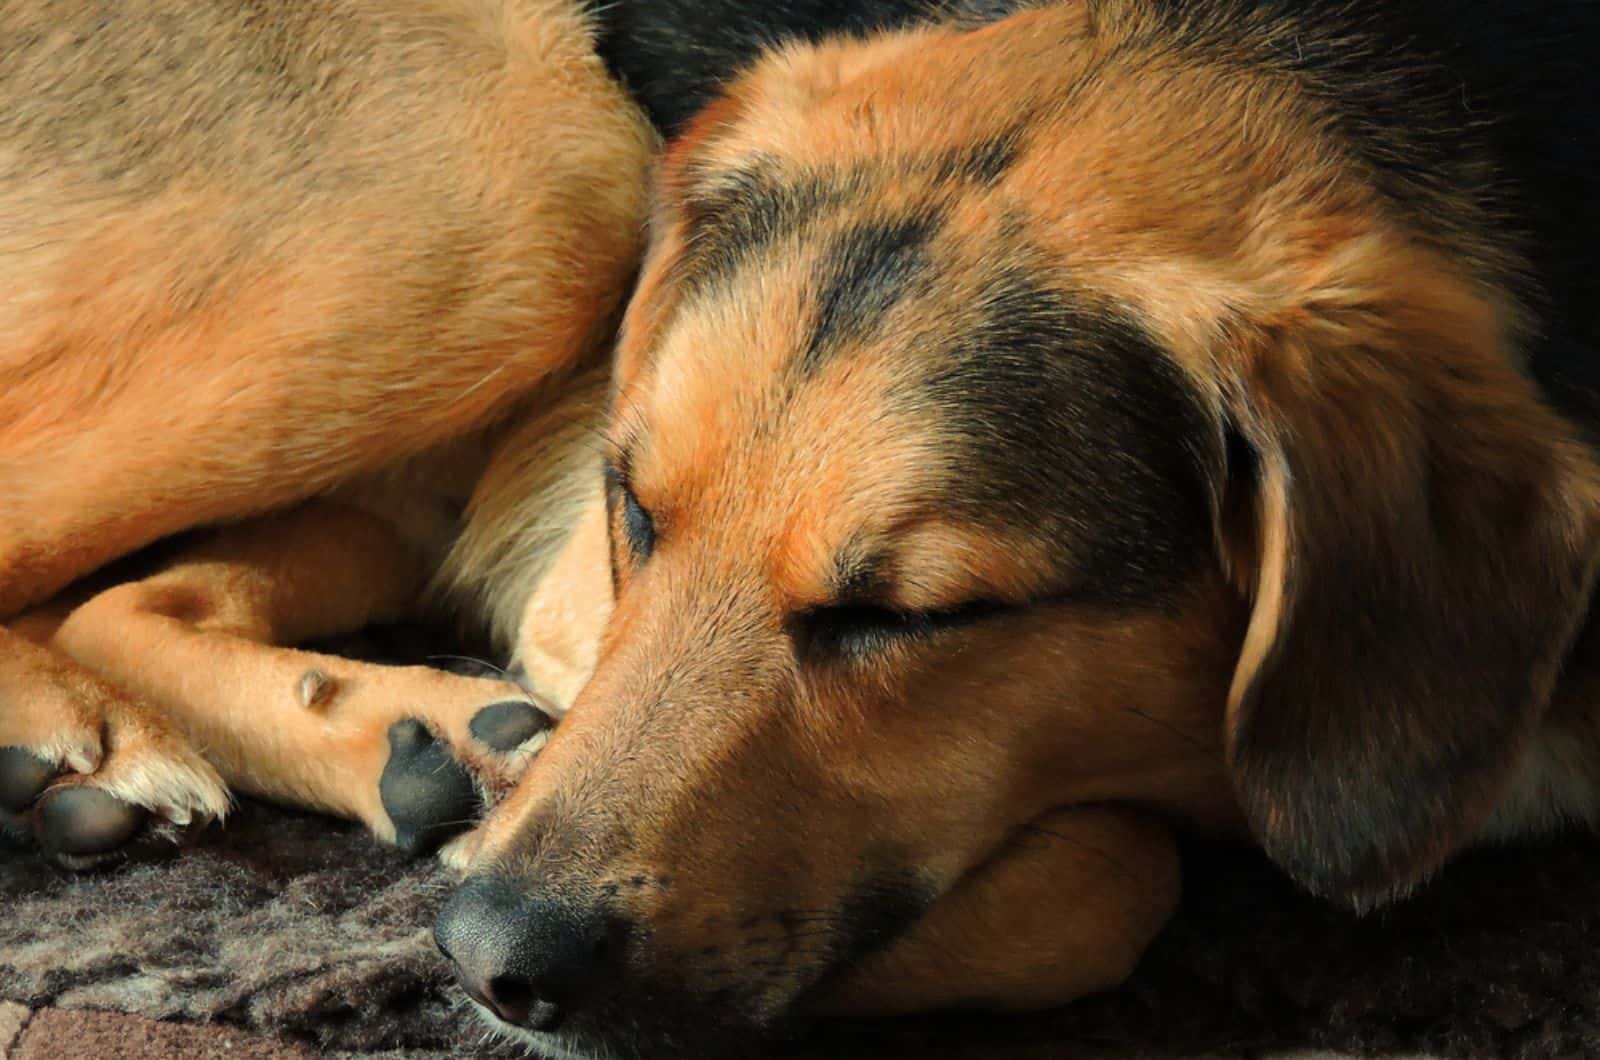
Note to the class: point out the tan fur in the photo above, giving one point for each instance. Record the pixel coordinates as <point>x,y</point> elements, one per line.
<point>100,735</point>
<point>192,639</point>
<point>1120,868</point>
<point>319,270</point>
<point>419,348</point>
<point>525,504</point>
<point>347,278</point>
<point>1352,352</point>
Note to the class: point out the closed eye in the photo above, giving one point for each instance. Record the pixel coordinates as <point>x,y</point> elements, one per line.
<point>638,526</point>
<point>854,630</point>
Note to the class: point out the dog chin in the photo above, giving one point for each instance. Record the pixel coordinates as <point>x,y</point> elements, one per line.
<point>616,1036</point>
<point>538,1043</point>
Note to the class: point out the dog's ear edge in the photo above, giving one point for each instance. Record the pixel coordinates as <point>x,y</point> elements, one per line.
<point>1421,536</point>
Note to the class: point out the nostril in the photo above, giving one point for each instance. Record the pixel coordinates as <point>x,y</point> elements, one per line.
<point>511,998</point>
<point>517,1002</point>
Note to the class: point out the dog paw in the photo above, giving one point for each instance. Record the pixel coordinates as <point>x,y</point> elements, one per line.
<point>437,783</point>
<point>101,780</point>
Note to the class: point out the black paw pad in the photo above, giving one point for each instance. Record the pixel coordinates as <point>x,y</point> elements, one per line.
<point>426,793</point>
<point>14,831</point>
<point>507,726</point>
<point>84,822</point>
<point>23,775</point>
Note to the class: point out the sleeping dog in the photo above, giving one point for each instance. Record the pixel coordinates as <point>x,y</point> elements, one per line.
<point>1034,428</point>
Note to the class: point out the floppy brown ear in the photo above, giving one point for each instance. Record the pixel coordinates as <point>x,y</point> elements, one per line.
<point>1420,545</point>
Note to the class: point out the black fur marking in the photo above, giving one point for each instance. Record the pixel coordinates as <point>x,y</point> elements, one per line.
<point>974,13</point>
<point>733,217</point>
<point>1495,102</point>
<point>855,575</point>
<point>869,270</point>
<point>982,163</point>
<point>870,917</point>
<point>878,911</point>
<point>738,214</point>
<point>1065,419</point>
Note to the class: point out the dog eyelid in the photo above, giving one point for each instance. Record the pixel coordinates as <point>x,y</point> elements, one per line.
<point>857,629</point>
<point>638,525</point>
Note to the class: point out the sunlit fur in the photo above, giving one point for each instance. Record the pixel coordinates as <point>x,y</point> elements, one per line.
<point>356,251</point>
<point>1351,663</point>
<point>886,679</point>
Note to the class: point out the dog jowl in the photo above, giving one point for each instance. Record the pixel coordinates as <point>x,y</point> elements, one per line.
<point>999,453</point>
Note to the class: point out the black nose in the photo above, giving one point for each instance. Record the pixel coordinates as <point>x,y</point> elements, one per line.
<point>529,959</point>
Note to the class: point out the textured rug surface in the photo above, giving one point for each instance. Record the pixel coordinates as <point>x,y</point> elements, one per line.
<point>281,922</point>
<point>303,929</point>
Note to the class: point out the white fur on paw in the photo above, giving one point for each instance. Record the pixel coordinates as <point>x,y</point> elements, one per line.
<point>182,788</point>
<point>458,854</point>
<point>72,754</point>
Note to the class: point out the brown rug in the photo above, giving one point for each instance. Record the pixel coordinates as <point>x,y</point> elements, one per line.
<point>283,923</point>
<point>305,930</point>
<point>53,1033</point>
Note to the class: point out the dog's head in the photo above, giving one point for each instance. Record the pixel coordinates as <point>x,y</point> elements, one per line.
<point>1014,418</point>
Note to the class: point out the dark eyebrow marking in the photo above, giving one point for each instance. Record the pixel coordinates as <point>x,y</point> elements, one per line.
<point>982,163</point>
<point>868,269</point>
<point>739,213</point>
<point>855,574</point>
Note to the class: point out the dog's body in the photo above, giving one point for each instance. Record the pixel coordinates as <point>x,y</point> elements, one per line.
<point>1033,424</point>
<point>250,258</point>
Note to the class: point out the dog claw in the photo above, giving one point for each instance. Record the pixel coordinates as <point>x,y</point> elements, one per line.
<point>23,777</point>
<point>507,726</point>
<point>427,794</point>
<point>80,822</point>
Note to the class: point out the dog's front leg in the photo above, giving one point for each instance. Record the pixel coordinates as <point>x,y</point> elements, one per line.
<point>412,752</point>
<point>84,766</point>
<point>1065,909</point>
